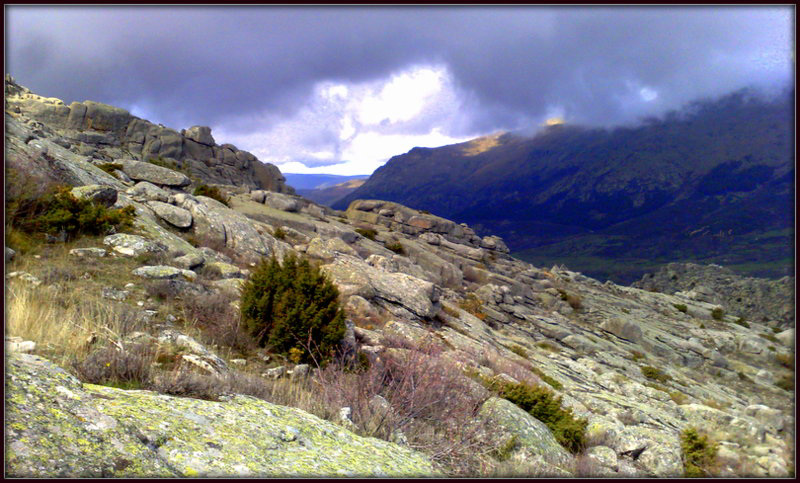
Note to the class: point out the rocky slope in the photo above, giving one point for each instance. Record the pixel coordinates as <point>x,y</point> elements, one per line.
<point>408,280</point>
<point>768,301</point>
<point>713,183</point>
<point>105,134</point>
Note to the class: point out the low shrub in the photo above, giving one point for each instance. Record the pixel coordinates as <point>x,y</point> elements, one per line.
<point>699,453</point>
<point>164,163</point>
<point>58,212</point>
<point>743,377</point>
<point>211,192</point>
<point>522,371</point>
<point>547,346</point>
<point>549,380</point>
<point>503,452</point>
<point>681,307</point>
<point>637,356</point>
<point>185,383</point>
<point>55,274</point>
<point>417,394</point>
<point>770,337</point>
<point>367,233</point>
<point>786,360</point>
<point>110,167</point>
<point>713,403</point>
<point>518,350</point>
<point>786,382</point>
<point>473,305</point>
<point>396,247</point>
<point>117,366</point>
<point>450,311</point>
<point>218,321</point>
<point>279,233</point>
<point>678,397</point>
<point>655,374</point>
<point>717,314</point>
<point>293,305</point>
<point>569,431</point>
<point>573,300</point>
<point>741,321</point>
<point>656,387</point>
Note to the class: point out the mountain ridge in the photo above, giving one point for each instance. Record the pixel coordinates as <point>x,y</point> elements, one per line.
<point>729,156</point>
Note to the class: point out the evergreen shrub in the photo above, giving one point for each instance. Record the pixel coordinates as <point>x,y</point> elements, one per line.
<point>292,305</point>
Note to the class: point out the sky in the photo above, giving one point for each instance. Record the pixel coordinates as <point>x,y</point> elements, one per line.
<point>340,90</point>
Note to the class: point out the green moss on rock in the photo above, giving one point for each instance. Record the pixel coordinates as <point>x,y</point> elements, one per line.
<point>107,432</point>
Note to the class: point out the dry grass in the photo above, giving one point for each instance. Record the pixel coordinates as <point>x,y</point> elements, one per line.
<point>61,321</point>
<point>218,321</point>
<point>416,393</point>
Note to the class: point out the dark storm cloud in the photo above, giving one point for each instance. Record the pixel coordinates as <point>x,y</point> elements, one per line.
<point>511,65</point>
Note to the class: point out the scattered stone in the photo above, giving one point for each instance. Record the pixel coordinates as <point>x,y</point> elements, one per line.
<point>258,196</point>
<point>275,372</point>
<point>766,415</point>
<point>104,195</point>
<point>189,261</point>
<point>603,455</point>
<point>25,277</point>
<point>88,252</point>
<point>232,286</point>
<point>148,191</point>
<point>163,272</point>
<point>10,254</point>
<point>786,337</point>
<point>300,371</point>
<point>224,270</point>
<point>114,294</point>
<point>171,214</point>
<point>17,344</point>
<point>239,362</point>
<point>281,201</point>
<point>344,417</point>
<point>158,175</point>
<point>132,245</point>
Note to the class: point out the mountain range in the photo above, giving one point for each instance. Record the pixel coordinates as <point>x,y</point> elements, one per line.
<point>710,183</point>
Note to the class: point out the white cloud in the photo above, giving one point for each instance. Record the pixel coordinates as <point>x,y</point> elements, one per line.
<point>355,128</point>
<point>647,94</point>
<point>402,98</point>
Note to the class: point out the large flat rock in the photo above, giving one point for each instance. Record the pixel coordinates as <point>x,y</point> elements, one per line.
<point>158,175</point>
<point>57,427</point>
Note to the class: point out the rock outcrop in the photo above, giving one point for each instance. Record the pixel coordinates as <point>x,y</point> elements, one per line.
<point>758,299</point>
<point>100,133</point>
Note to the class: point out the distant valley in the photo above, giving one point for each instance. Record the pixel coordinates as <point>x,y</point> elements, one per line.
<point>711,184</point>
<point>325,189</point>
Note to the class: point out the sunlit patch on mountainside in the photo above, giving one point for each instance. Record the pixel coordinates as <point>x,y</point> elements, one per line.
<point>482,144</point>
